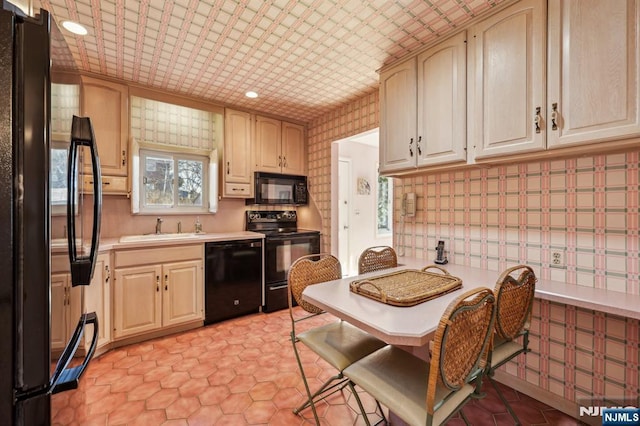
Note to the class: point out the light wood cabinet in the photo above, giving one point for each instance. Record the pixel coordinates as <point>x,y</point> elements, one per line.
<point>442,103</point>
<point>97,298</point>
<point>594,71</point>
<point>65,305</point>
<point>507,80</point>
<point>279,147</point>
<point>160,294</point>
<point>182,299</point>
<point>237,171</point>
<point>293,149</point>
<point>106,103</point>
<point>423,108</point>
<point>398,117</point>
<point>137,300</point>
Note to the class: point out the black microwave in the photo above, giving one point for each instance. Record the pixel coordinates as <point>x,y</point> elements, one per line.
<point>273,188</point>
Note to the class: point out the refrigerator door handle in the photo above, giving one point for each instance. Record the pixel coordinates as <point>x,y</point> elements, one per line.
<point>82,135</point>
<point>64,378</point>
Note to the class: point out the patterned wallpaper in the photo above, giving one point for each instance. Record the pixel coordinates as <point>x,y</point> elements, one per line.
<point>586,208</point>
<point>170,124</point>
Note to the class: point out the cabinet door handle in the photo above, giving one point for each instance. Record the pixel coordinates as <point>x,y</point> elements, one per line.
<point>284,161</point>
<point>157,283</point>
<point>124,157</point>
<point>228,170</point>
<point>279,160</point>
<point>166,284</point>
<point>418,145</point>
<point>106,269</point>
<point>554,116</point>
<point>536,119</point>
<point>411,147</point>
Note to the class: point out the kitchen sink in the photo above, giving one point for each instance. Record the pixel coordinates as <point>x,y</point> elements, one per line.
<point>158,237</point>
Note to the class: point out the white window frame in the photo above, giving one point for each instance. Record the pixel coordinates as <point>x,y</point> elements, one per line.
<point>210,185</point>
<point>60,209</point>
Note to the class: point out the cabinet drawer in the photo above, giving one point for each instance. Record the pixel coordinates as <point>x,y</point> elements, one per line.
<point>125,258</point>
<point>240,190</point>
<point>60,264</point>
<point>110,184</point>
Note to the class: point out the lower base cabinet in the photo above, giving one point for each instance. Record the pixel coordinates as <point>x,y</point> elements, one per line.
<point>66,303</point>
<point>158,295</point>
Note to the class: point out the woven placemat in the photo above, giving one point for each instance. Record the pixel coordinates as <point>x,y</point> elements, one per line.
<point>406,288</point>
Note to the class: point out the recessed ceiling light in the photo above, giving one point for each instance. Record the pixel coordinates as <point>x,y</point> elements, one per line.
<point>74,27</point>
<point>251,94</point>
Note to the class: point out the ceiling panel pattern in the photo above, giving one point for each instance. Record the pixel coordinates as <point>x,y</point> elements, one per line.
<point>304,57</point>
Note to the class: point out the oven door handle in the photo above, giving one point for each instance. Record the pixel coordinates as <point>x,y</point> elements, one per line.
<point>278,287</point>
<point>294,238</point>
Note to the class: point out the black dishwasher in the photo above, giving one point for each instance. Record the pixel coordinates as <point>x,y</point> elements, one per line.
<point>233,279</point>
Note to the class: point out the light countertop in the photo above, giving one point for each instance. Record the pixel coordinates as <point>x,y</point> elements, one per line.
<point>59,245</point>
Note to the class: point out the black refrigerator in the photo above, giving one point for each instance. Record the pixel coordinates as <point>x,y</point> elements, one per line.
<point>26,383</point>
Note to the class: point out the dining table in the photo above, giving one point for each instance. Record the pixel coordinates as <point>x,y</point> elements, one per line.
<point>411,327</point>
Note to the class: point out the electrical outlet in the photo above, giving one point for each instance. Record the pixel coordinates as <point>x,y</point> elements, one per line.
<point>557,258</point>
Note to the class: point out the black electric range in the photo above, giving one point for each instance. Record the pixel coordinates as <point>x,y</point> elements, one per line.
<point>284,243</point>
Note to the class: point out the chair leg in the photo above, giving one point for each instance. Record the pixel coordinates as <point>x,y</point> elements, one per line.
<point>477,394</point>
<point>464,418</point>
<point>304,379</point>
<point>362,410</point>
<point>324,391</point>
<point>504,400</point>
<point>357,397</point>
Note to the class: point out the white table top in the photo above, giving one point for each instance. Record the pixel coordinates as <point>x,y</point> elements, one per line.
<point>414,325</point>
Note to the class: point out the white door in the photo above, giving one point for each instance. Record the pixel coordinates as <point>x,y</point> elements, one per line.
<point>344,200</point>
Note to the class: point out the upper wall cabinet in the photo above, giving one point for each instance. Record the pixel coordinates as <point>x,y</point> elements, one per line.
<point>236,169</point>
<point>423,108</point>
<point>293,149</point>
<point>398,117</point>
<point>279,147</point>
<point>106,103</point>
<point>593,71</point>
<point>507,80</point>
<point>442,102</point>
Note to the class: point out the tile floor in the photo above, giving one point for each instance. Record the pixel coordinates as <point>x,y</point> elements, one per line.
<point>238,372</point>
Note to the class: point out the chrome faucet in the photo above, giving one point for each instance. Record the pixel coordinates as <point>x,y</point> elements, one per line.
<point>159,225</point>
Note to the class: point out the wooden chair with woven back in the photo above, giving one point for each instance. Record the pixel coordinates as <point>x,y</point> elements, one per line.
<point>514,293</point>
<point>338,343</point>
<point>377,258</point>
<point>429,393</point>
